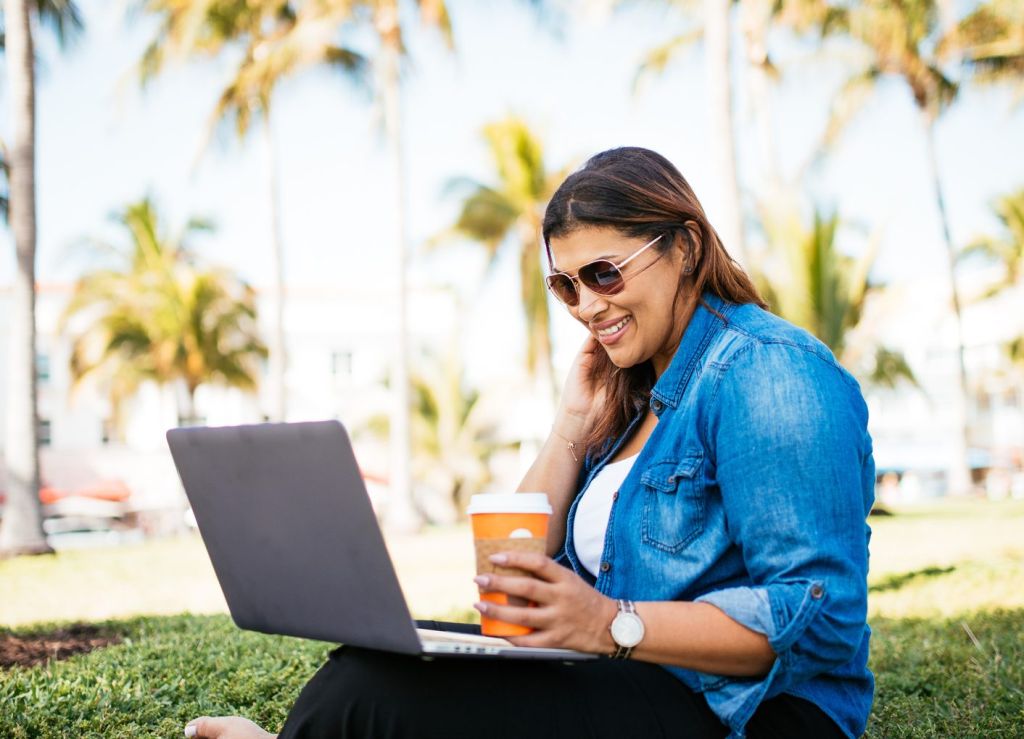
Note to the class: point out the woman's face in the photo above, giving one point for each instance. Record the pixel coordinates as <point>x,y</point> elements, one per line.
<point>643,321</point>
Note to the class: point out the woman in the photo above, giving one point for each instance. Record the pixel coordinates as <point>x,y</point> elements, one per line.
<point>711,473</point>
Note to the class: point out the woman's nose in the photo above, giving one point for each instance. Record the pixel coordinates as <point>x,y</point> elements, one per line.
<point>591,303</point>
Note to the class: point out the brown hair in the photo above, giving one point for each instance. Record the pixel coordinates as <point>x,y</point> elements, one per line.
<point>642,195</point>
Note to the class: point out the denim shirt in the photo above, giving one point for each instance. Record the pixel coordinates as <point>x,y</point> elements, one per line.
<point>752,494</point>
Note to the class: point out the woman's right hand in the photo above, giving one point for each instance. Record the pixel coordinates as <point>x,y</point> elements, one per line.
<point>581,403</point>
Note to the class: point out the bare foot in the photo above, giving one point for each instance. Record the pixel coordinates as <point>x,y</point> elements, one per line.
<point>225,727</point>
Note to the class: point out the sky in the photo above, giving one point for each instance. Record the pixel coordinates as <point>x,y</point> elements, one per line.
<point>103,143</point>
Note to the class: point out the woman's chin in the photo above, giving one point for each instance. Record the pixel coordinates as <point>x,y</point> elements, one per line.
<point>620,358</point>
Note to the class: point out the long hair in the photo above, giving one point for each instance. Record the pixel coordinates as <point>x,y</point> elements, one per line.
<point>642,195</point>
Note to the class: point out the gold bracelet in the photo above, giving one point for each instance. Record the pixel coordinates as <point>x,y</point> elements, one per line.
<point>570,445</point>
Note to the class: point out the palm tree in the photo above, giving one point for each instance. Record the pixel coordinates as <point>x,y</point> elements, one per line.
<point>809,282</point>
<point>508,213</point>
<point>302,34</point>
<point>1006,250</point>
<point>453,432</point>
<point>386,17</point>
<point>277,41</point>
<point>901,39</point>
<point>990,43</point>
<point>21,530</point>
<point>155,315</point>
<point>716,34</point>
<point>5,200</point>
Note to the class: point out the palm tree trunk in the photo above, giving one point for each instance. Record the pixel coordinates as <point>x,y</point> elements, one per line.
<point>756,17</point>
<point>189,418</point>
<point>402,514</point>
<point>959,470</point>
<point>21,531</point>
<point>534,297</point>
<point>279,349</point>
<point>723,130</point>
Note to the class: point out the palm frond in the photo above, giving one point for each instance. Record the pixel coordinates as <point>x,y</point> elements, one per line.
<point>890,367</point>
<point>518,158</point>
<point>656,60</point>
<point>5,173</point>
<point>63,17</point>
<point>434,14</point>
<point>1005,249</point>
<point>989,41</point>
<point>487,216</point>
<point>1015,351</point>
<point>159,316</point>
<point>847,104</point>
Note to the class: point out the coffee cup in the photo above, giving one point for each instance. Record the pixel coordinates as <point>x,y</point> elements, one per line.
<point>507,522</point>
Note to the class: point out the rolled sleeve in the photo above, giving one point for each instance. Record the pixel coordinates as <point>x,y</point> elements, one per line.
<point>791,448</point>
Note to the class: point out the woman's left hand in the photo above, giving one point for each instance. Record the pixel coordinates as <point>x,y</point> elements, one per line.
<point>569,614</point>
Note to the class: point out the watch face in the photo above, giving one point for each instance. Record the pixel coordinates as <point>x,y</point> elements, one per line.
<point>627,629</point>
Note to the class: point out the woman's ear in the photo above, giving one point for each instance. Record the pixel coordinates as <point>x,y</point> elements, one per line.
<point>692,246</point>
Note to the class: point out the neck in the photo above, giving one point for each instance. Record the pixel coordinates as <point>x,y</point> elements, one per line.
<point>663,359</point>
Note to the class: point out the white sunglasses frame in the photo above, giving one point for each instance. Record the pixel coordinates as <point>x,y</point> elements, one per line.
<point>575,280</point>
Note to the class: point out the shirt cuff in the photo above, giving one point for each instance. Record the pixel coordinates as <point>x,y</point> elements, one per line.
<point>733,699</point>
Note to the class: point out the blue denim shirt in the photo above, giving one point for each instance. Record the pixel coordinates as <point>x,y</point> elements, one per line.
<point>752,494</point>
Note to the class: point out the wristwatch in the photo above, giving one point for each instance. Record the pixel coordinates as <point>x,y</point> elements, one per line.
<point>627,629</point>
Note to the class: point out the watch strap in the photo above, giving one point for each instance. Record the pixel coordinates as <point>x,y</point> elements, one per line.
<point>621,652</point>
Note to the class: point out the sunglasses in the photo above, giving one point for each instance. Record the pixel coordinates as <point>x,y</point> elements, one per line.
<point>600,276</point>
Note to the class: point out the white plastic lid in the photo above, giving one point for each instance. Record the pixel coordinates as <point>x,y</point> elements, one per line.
<point>509,503</point>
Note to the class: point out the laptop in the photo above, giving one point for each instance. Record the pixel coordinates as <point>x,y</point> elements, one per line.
<point>284,513</point>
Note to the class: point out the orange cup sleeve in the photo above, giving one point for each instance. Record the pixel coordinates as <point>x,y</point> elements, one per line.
<point>486,547</point>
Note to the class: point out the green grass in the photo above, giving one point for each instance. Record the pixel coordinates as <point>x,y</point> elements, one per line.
<point>933,680</point>
<point>167,670</point>
<point>946,604</point>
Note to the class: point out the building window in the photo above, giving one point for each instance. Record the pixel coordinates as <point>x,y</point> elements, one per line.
<point>45,431</point>
<point>341,364</point>
<point>42,367</point>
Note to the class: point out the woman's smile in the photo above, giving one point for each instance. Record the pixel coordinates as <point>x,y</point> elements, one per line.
<point>609,333</point>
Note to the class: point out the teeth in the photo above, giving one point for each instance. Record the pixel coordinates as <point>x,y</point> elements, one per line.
<point>612,329</point>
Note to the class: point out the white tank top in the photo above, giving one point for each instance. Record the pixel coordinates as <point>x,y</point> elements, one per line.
<point>591,522</point>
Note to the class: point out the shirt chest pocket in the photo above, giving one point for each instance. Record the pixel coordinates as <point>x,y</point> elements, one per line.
<point>673,503</point>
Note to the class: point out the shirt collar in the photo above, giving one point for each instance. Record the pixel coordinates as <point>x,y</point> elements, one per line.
<point>699,332</point>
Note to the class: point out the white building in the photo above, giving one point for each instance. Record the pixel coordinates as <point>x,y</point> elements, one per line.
<point>339,350</point>
<point>916,430</point>
<point>339,344</point>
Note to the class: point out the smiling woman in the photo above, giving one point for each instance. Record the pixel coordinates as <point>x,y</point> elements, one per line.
<point>620,197</point>
<point>712,539</point>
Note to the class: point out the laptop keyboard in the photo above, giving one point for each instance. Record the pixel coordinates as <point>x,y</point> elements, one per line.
<point>449,637</point>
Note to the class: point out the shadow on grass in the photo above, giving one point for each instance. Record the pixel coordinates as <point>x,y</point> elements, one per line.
<point>898,580</point>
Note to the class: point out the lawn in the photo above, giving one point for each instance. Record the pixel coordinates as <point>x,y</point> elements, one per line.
<point>947,605</point>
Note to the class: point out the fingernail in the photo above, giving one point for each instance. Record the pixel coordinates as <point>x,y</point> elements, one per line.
<point>482,607</point>
<point>482,580</point>
<point>190,730</point>
<point>499,559</point>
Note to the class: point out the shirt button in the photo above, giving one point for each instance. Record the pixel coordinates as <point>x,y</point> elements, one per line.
<point>605,566</point>
<point>657,405</point>
<point>817,591</point>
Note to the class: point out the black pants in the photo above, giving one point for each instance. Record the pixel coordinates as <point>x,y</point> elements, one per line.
<point>364,693</point>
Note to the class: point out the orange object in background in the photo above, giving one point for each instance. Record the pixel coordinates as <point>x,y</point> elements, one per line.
<point>502,523</point>
<point>113,490</point>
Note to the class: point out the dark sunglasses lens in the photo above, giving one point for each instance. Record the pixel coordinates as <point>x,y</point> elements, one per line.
<point>563,289</point>
<point>602,277</point>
